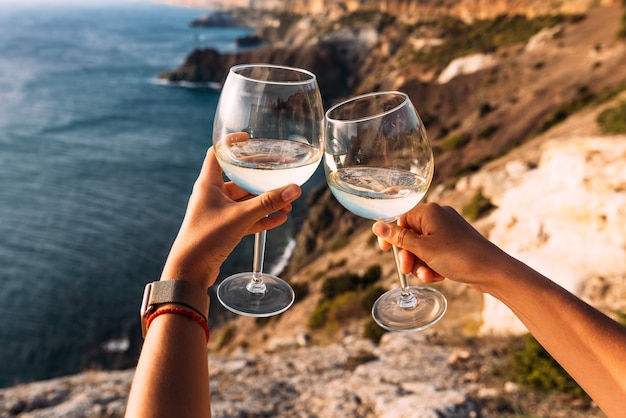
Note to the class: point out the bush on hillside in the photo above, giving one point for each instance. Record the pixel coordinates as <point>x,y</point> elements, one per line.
<point>319,316</point>
<point>613,120</point>
<point>345,297</point>
<point>372,331</point>
<point>482,36</point>
<point>455,141</point>
<point>534,367</point>
<point>371,275</point>
<point>477,207</point>
<point>336,285</point>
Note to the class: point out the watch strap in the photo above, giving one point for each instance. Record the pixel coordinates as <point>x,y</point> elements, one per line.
<point>179,292</point>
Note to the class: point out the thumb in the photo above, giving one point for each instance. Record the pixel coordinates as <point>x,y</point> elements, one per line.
<point>274,200</point>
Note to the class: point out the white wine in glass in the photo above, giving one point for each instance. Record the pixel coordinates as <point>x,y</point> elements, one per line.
<point>379,165</point>
<point>267,133</point>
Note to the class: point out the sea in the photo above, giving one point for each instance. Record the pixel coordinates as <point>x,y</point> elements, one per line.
<point>97,160</point>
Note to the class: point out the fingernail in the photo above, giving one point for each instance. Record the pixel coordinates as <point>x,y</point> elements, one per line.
<point>290,193</point>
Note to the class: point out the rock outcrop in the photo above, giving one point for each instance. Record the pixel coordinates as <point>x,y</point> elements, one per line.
<point>90,394</point>
<point>562,215</point>
<point>405,376</point>
<point>334,60</point>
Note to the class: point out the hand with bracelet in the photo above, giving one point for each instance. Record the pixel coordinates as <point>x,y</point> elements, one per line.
<point>172,377</point>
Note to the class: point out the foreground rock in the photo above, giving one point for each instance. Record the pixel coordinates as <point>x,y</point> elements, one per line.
<point>408,375</point>
<point>91,394</point>
<point>403,377</point>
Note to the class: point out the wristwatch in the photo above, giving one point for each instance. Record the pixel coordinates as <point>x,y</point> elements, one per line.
<point>179,292</point>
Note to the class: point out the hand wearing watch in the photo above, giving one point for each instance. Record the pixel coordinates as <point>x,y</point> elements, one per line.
<point>179,292</point>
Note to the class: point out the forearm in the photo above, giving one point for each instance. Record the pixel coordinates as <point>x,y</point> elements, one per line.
<point>587,343</point>
<point>172,377</point>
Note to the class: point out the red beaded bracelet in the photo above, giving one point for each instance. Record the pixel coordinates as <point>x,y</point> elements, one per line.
<point>180,311</point>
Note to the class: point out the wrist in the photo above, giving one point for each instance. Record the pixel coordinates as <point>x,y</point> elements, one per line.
<point>177,292</point>
<point>506,276</point>
<point>202,278</point>
<point>173,311</point>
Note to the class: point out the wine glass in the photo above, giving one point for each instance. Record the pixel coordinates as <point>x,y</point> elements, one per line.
<point>379,164</point>
<point>267,133</point>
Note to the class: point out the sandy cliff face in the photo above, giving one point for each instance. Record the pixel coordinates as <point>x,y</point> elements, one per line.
<point>411,10</point>
<point>563,215</point>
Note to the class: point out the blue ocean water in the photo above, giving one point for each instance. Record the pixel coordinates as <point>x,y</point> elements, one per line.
<point>97,160</point>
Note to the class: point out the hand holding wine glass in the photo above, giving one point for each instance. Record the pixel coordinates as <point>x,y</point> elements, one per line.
<point>267,133</point>
<point>379,165</point>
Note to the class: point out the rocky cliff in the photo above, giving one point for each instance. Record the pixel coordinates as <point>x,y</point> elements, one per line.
<point>409,10</point>
<point>476,106</point>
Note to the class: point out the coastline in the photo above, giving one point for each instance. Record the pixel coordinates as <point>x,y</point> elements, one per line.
<point>205,4</point>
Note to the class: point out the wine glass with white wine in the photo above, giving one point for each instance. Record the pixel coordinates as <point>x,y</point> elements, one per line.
<point>379,164</point>
<point>267,133</point>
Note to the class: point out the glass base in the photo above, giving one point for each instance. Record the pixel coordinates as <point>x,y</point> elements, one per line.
<point>416,311</point>
<point>241,295</point>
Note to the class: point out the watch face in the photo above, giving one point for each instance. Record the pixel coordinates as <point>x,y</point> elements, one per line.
<point>146,299</point>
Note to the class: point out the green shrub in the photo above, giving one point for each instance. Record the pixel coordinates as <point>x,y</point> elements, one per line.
<point>488,131</point>
<point>373,331</point>
<point>485,109</point>
<point>346,296</point>
<point>301,289</point>
<point>320,315</point>
<point>336,285</point>
<point>582,99</point>
<point>534,367</point>
<point>455,141</point>
<point>481,36</point>
<point>371,294</point>
<point>477,207</point>
<point>371,275</point>
<point>345,307</point>
<point>613,120</point>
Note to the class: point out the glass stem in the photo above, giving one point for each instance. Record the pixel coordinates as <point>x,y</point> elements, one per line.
<point>256,284</point>
<point>407,300</point>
